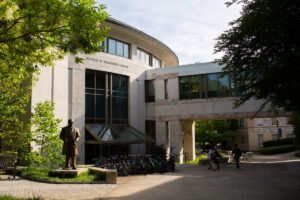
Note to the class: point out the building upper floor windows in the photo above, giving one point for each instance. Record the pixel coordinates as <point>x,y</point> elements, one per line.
<point>148,59</point>
<point>204,86</point>
<point>143,56</point>
<point>116,47</point>
<point>155,62</point>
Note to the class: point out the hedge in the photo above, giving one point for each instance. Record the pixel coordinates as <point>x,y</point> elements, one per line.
<point>285,141</point>
<point>277,149</point>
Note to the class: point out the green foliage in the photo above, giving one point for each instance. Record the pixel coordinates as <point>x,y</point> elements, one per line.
<point>35,33</point>
<point>44,174</point>
<point>285,141</point>
<point>198,158</point>
<point>277,149</point>
<point>213,131</point>
<point>46,136</point>
<point>262,52</point>
<point>5,197</point>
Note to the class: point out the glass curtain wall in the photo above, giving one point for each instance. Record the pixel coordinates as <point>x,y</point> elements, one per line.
<point>204,86</point>
<point>106,98</point>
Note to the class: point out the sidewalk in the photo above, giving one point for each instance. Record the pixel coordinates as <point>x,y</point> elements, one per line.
<point>29,189</point>
<point>279,158</point>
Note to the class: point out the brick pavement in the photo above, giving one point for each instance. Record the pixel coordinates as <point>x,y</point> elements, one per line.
<point>26,189</point>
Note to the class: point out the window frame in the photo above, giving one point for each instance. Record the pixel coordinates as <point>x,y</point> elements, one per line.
<point>147,99</point>
<point>205,92</point>
<point>106,48</point>
<point>108,99</point>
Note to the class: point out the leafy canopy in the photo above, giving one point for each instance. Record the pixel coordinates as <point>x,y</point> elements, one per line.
<point>214,131</point>
<point>262,52</point>
<point>35,33</point>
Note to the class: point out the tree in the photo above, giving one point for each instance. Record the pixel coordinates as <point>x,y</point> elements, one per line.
<point>33,34</point>
<point>46,135</point>
<point>214,131</point>
<point>262,52</point>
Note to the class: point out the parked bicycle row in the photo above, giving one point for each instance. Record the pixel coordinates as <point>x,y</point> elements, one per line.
<point>137,164</point>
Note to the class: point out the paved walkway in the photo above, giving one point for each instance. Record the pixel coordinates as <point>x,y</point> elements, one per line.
<point>24,188</point>
<point>268,177</point>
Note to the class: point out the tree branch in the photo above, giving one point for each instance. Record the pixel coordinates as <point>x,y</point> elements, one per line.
<point>27,34</point>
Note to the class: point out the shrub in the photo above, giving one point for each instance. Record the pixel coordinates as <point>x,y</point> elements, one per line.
<point>277,149</point>
<point>285,141</point>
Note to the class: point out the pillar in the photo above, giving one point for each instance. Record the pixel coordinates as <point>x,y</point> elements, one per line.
<point>188,131</point>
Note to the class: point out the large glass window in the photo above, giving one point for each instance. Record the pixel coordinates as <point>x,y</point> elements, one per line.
<point>189,87</point>
<point>149,91</point>
<point>148,58</point>
<point>204,86</point>
<point>143,56</point>
<point>212,85</point>
<point>112,46</point>
<point>106,103</point>
<point>155,62</point>
<point>116,47</point>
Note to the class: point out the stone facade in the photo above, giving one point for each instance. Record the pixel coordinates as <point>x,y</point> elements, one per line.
<point>253,132</point>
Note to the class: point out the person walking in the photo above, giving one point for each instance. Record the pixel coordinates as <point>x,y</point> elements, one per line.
<point>211,156</point>
<point>216,158</point>
<point>236,153</point>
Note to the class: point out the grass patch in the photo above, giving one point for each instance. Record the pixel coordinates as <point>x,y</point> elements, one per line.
<point>198,158</point>
<point>43,174</point>
<point>5,197</point>
<point>277,149</point>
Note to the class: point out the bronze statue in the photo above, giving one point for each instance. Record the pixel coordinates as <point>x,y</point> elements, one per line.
<point>70,135</point>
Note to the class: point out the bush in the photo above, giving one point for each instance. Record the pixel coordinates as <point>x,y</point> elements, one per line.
<point>285,141</point>
<point>5,197</point>
<point>277,149</point>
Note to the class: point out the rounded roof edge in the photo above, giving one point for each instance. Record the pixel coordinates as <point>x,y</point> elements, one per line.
<point>119,23</point>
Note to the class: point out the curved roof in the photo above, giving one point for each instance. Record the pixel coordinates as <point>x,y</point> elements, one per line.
<point>156,47</point>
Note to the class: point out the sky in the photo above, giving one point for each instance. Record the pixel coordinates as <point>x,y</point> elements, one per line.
<point>188,27</point>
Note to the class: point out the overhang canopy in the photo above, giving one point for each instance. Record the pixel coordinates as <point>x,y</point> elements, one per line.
<point>116,134</point>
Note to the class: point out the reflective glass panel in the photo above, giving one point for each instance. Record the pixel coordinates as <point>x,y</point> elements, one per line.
<point>194,87</point>
<point>126,50</point>
<point>124,108</point>
<point>223,86</point>
<point>112,46</point>
<point>184,87</point>
<point>203,85</point>
<point>100,80</point>
<point>100,106</point>
<point>89,106</point>
<point>212,85</point>
<point>120,50</point>
<point>90,79</point>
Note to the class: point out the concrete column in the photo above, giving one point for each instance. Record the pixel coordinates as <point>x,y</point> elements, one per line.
<point>188,131</point>
<point>160,134</point>
<point>78,107</point>
<point>176,139</point>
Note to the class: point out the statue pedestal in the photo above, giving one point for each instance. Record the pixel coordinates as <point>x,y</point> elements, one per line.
<point>76,172</point>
